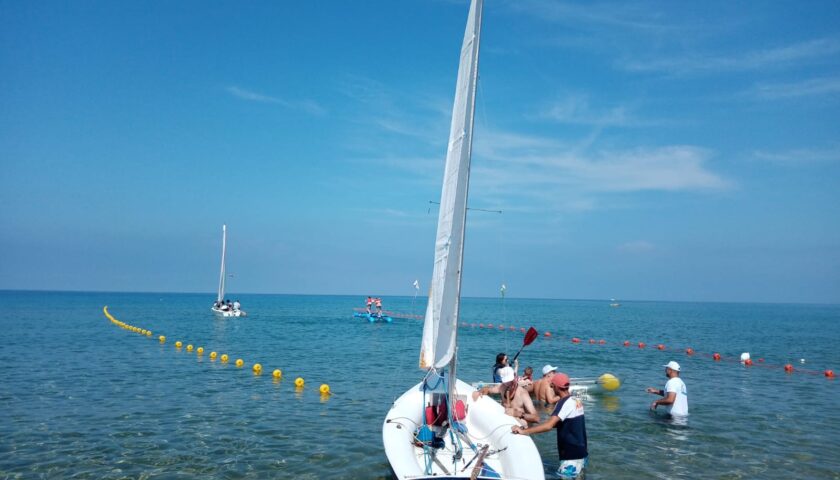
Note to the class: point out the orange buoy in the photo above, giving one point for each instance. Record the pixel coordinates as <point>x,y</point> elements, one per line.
<point>660,347</point>
<point>501,327</point>
<point>641,344</point>
<point>829,373</point>
<point>788,368</point>
<point>480,325</point>
<point>748,362</point>
<point>716,356</point>
<point>627,343</point>
<point>547,334</point>
<point>522,329</point>
<point>574,340</point>
<point>602,341</point>
<point>591,341</point>
<point>761,360</point>
<point>512,328</point>
<point>489,325</point>
<point>689,351</point>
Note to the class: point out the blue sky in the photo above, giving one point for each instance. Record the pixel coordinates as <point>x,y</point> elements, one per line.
<point>638,150</point>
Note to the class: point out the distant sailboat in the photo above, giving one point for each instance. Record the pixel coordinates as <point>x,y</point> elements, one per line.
<point>436,429</point>
<point>614,303</point>
<point>219,306</point>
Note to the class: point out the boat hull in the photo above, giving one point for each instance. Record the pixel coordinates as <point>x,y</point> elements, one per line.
<point>228,313</point>
<point>372,317</point>
<point>511,456</point>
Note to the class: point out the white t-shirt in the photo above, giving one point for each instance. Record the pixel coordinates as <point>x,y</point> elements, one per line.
<point>571,409</point>
<point>680,405</point>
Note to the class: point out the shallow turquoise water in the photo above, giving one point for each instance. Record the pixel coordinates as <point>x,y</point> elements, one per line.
<point>82,398</point>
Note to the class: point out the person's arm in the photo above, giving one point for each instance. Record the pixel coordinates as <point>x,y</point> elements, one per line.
<point>669,399</point>
<point>486,390</point>
<point>655,391</point>
<point>543,427</point>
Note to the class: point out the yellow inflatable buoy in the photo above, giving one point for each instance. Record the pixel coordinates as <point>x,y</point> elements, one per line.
<point>178,344</point>
<point>224,358</point>
<point>325,389</point>
<point>148,333</point>
<point>189,348</point>
<point>277,373</point>
<point>298,382</point>
<point>162,339</point>
<point>213,355</point>
<point>257,368</point>
<point>199,350</point>
<point>239,362</point>
<point>609,381</point>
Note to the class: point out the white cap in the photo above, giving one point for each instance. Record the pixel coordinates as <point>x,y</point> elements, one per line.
<point>673,366</point>
<point>506,374</point>
<point>745,356</point>
<point>548,368</point>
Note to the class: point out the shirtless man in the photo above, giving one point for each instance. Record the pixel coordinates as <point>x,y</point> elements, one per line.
<point>542,387</point>
<point>516,400</point>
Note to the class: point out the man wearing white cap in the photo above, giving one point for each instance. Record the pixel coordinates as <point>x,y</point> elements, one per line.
<point>675,393</point>
<point>543,390</point>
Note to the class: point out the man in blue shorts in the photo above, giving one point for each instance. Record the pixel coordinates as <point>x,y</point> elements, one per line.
<point>569,421</point>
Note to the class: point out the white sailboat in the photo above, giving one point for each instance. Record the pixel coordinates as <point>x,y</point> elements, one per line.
<point>436,429</point>
<point>219,307</point>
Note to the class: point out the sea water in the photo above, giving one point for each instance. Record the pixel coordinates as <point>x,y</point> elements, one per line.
<point>83,398</point>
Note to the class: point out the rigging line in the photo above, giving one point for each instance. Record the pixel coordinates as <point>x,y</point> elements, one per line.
<point>471,208</point>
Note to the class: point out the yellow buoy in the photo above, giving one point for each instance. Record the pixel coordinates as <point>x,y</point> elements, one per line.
<point>224,358</point>
<point>298,382</point>
<point>257,368</point>
<point>199,350</point>
<point>148,333</point>
<point>213,355</point>
<point>277,373</point>
<point>178,344</point>
<point>609,381</point>
<point>189,348</point>
<point>325,389</point>
<point>239,362</point>
<point>162,339</point>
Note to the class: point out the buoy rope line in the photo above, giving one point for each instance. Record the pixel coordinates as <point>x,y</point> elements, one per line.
<point>257,368</point>
<point>787,368</point>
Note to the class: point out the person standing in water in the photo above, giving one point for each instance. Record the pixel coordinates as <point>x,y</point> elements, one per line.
<point>675,394</point>
<point>570,423</point>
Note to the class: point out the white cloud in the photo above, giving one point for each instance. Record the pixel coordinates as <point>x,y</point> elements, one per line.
<point>784,56</point>
<point>811,87</point>
<point>575,109</point>
<point>309,106</point>
<point>800,156</point>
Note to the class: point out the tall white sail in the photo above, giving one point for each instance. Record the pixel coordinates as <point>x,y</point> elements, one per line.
<point>221,294</point>
<point>441,324</point>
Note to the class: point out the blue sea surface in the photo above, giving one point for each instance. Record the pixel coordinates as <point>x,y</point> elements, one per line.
<point>83,398</point>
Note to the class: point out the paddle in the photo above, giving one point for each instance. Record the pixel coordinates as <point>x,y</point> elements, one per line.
<point>530,336</point>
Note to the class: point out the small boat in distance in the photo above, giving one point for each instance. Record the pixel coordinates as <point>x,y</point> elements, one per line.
<point>614,303</point>
<point>220,306</point>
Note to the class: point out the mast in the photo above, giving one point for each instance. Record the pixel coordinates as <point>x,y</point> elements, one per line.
<point>440,329</point>
<point>221,293</point>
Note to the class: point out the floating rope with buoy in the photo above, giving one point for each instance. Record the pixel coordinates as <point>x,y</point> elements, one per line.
<point>257,368</point>
<point>745,361</point>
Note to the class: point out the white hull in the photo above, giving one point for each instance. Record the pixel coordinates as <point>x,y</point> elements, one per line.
<point>512,456</point>
<point>229,313</point>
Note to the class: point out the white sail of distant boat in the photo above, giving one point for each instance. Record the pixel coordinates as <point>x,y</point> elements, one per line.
<point>436,429</point>
<point>220,307</point>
